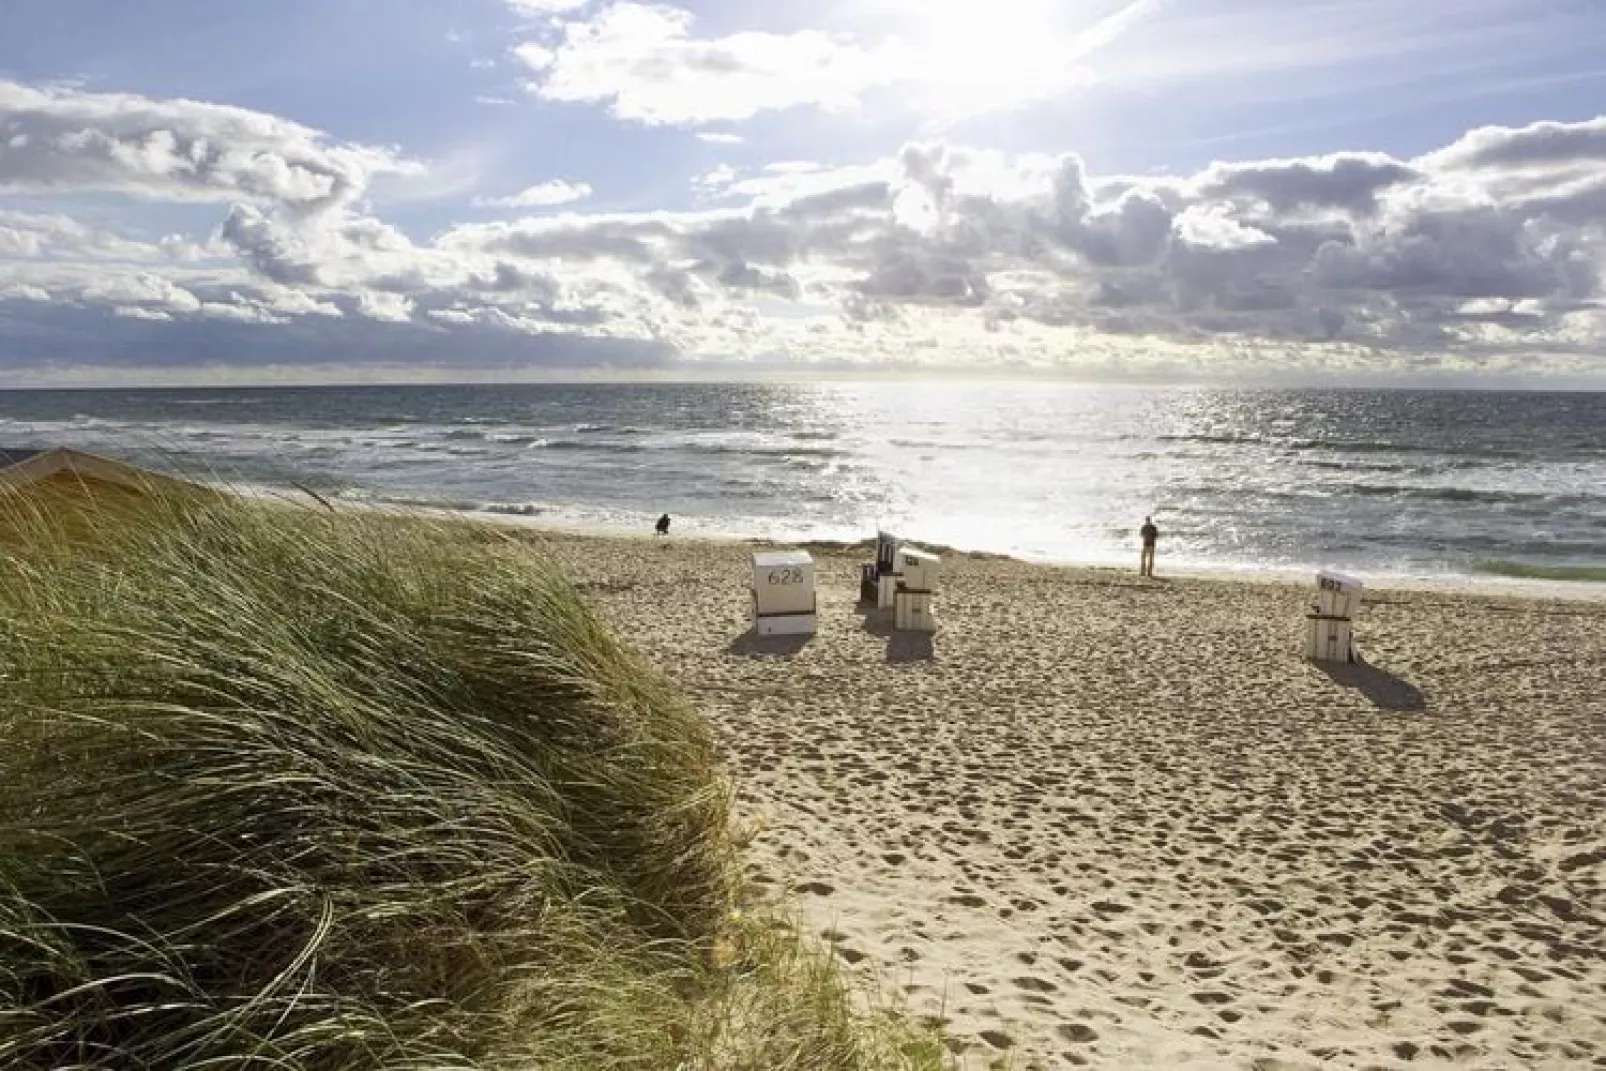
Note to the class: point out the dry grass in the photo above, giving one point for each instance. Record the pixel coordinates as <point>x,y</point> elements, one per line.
<point>295,789</point>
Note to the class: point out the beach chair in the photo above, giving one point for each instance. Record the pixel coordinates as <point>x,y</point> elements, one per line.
<point>878,580</point>
<point>1329,626</point>
<point>784,600</point>
<point>916,585</point>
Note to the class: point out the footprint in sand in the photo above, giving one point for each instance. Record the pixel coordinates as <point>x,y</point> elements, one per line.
<point>815,888</point>
<point>1080,1033</point>
<point>1211,996</point>
<point>997,1039</point>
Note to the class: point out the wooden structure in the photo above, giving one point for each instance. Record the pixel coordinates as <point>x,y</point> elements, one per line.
<point>784,603</point>
<point>68,491</point>
<point>1329,624</point>
<point>917,583</point>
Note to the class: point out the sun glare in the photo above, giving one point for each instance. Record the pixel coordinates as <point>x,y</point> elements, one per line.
<point>981,54</point>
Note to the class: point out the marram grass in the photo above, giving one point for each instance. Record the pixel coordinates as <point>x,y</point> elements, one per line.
<point>286,788</point>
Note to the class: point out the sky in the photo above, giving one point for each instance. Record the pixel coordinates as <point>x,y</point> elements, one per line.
<point>1325,191</point>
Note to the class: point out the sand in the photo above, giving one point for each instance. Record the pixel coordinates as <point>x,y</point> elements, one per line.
<point>1098,821</point>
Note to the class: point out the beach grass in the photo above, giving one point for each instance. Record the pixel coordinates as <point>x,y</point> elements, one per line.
<point>290,788</point>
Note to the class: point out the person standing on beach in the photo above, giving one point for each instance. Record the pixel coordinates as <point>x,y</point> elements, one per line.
<point>1151,536</point>
<point>662,527</point>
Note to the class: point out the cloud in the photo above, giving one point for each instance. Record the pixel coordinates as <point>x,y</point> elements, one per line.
<point>542,195</point>
<point>720,138</point>
<point>955,60</point>
<point>545,7</point>
<point>1492,245</point>
<point>644,61</point>
<point>61,140</point>
<point>56,236</point>
<point>1349,181</point>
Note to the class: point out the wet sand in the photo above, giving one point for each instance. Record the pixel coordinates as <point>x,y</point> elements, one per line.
<point>1106,822</point>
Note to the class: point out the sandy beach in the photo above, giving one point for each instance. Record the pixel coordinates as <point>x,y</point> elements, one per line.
<point>1105,822</point>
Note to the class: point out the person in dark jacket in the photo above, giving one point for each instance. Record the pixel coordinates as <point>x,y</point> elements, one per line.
<point>1151,536</point>
<point>662,527</point>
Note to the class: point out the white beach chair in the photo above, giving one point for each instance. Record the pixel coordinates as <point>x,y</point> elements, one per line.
<point>784,600</point>
<point>1329,635</point>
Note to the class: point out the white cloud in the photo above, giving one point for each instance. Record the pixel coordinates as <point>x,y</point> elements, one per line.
<point>940,252</point>
<point>953,59</point>
<point>546,7</point>
<point>23,292</point>
<point>541,195</point>
<point>291,302</point>
<point>136,312</point>
<point>238,312</point>
<point>1212,227</point>
<point>58,236</point>
<point>142,288</point>
<point>713,137</point>
<point>393,308</point>
<point>644,61</point>
<point>64,140</point>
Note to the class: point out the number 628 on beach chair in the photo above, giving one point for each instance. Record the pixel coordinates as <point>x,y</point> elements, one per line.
<point>784,602</point>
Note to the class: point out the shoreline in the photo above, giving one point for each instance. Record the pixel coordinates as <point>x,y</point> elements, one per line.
<point>542,520</point>
<point>1448,583</point>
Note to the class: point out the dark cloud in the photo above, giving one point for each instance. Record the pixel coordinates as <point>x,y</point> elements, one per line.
<point>35,335</point>
<point>1347,181</point>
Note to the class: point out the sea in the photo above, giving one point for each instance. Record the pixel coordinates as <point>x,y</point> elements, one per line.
<point>1382,483</point>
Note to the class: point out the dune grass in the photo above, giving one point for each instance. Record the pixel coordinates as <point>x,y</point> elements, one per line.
<point>286,788</point>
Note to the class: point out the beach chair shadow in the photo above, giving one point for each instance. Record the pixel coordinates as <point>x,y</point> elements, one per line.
<point>901,646</point>
<point>751,645</point>
<point>910,647</point>
<point>1383,688</point>
<point>876,622</point>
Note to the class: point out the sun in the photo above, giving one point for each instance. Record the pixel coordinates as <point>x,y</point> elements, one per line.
<point>980,55</point>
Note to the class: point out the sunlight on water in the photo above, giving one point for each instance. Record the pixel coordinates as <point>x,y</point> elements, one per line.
<point>1399,482</point>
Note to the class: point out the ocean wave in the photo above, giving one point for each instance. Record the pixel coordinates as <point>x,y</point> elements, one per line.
<point>788,451</point>
<point>1462,494</point>
<point>1220,440</point>
<point>1532,571</point>
<point>511,509</point>
<point>370,496</point>
<point>1451,454</point>
<point>596,447</point>
<point>1359,466</point>
<point>1382,446</point>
